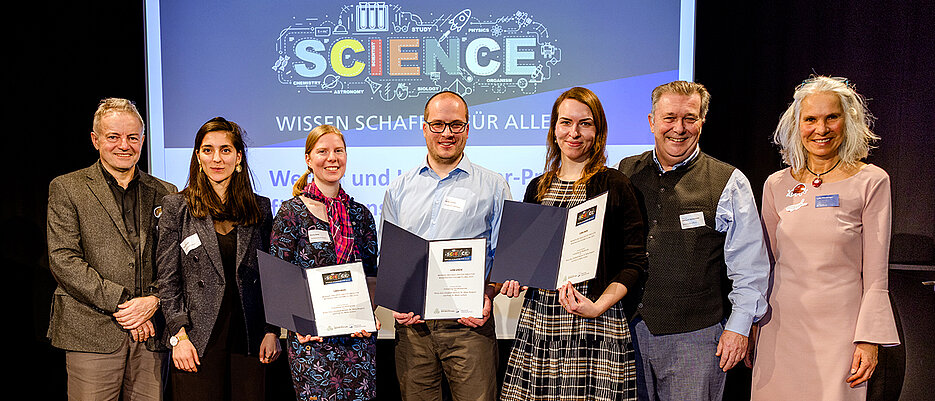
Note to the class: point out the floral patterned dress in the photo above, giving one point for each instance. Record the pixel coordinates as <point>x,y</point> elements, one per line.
<point>340,367</point>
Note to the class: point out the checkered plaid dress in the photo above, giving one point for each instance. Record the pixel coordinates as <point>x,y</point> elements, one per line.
<point>560,356</point>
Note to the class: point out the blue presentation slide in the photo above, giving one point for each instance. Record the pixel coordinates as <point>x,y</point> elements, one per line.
<point>281,68</point>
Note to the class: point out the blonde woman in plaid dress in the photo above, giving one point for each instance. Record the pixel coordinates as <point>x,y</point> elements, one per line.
<point>574,343</point>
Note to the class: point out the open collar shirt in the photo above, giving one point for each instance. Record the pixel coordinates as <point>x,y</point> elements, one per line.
<point>467,203</point>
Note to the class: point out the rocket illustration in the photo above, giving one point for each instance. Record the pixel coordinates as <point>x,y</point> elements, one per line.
<point>457,22</point>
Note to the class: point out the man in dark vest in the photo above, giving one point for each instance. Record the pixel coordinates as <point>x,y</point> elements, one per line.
<point>704,239</point>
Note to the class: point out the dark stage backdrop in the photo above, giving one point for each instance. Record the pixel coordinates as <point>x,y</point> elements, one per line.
<point>752,58</point>
<point>65,57</point>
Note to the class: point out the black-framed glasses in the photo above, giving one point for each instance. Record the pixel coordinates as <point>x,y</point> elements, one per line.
<point>456,127</point>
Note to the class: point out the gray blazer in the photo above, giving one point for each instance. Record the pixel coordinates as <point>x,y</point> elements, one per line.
<point>191,284</point>
<point>92,259</point>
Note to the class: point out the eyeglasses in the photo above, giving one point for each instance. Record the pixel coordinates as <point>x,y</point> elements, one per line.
<point>456,127</point>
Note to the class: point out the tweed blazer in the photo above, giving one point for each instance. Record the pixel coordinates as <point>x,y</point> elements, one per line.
<point>93,261</point>
<point>191,277</point>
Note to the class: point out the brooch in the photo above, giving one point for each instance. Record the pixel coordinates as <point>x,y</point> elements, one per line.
<point>798,190</point>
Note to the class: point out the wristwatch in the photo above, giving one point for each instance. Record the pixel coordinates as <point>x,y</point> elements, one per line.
<point>174,340</point>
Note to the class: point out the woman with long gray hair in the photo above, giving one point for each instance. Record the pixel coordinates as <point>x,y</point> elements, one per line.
<point>827,217</point>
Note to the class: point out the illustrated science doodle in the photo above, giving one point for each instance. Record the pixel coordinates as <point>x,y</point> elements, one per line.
<point>384,52</point>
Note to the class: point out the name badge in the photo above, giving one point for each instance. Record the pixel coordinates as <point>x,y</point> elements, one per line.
<point>453,204</point>
<point>190,243</point>
<point>827,201</point>
<point>692,220</point>
<point>318,236</point>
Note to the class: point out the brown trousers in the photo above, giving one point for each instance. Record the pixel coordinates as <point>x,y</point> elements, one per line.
<point>467,356</point>
<point>132,370</point>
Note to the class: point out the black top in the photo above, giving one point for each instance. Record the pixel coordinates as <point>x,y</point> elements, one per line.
<point>230,325</point>
<point>128,202</point>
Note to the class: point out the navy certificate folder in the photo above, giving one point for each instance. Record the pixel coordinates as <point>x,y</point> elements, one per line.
<point>529,246</point>
<point>402,270</point>
<point>286,299</point>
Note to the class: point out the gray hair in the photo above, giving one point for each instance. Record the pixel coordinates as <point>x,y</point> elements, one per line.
<point>115,105</point>
<point>683,88</point>
<point>857,121</point>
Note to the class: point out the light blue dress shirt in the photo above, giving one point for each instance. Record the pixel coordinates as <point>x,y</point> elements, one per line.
<point>467,203</point>
<point>744,249</point>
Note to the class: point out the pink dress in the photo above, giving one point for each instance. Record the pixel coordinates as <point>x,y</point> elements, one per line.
<point>828,287</point>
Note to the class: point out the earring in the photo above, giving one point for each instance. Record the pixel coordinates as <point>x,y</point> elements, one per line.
<point>238,168</point>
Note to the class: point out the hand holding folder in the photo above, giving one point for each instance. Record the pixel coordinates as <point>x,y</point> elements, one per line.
<point>545,246</point>
<point>439,279</point>
<point>318,302</point>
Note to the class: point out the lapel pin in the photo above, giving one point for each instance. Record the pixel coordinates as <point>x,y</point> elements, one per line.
<point>798,190</point>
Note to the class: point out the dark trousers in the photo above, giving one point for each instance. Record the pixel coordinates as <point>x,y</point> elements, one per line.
<point>222,375</point>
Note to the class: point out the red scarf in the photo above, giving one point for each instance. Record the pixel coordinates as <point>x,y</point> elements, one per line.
<point>342,235</point>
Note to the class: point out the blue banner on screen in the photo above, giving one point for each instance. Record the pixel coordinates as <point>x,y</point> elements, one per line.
<point>281,68</point>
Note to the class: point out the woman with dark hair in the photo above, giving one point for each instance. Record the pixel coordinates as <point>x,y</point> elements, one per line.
<point>827,218</point>
<point>323,226</point>
<point>208,278</point>
<point>574,342</point>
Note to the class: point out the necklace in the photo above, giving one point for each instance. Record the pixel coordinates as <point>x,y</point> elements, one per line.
<point>817,181</point>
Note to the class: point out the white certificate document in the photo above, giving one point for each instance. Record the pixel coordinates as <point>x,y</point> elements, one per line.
<point>340,299</point>
<point>455,282</point>
<point>582,242</point>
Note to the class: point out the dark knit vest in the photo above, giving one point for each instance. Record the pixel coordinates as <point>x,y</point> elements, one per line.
<point>687,280</point>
